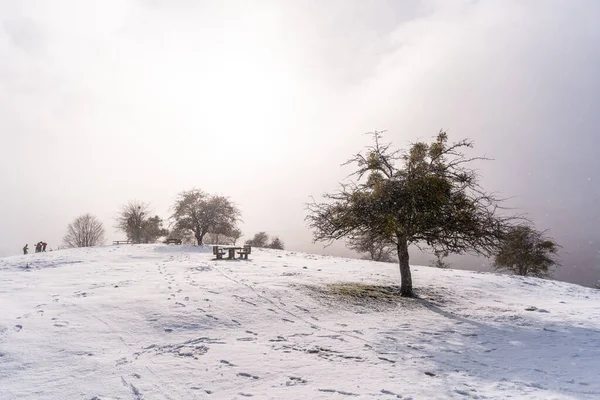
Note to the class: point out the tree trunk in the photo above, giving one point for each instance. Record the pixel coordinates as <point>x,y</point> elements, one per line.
<point>405,278</point>
<point>199,237</point>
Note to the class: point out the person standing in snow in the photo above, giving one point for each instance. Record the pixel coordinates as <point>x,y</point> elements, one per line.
<point>25,249</point>
<point>38,247</point>
<point>44,244</point>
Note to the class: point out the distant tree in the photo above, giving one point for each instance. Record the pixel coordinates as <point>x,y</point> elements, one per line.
<point>431,199</point>
<point>217,238</point>
<point>377,248</point>
<point>235,235</point>
<point>213,238</point>
<point>276,244</point>
<point>223,234</point>
<point>152,229</point>
<point>132,220</point>
<point>598,284</point>
<point>185,235</point>
<point>201,213</point>
<point>261,239</point>
<point>440,259</point>
<point>85,231</point>
<point>223,237</point>
<point>526,252</point>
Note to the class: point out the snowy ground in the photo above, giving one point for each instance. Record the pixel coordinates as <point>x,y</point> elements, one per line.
<point>169,322</point>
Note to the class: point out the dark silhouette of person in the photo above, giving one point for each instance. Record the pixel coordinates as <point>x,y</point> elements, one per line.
<point>25,249</point>
<point>38,247</point>
<point>44,244</point>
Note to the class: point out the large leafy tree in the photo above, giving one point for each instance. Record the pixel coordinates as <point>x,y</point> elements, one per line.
<point>199,212</point>
<point>526,252</point>
<point>426,196</point>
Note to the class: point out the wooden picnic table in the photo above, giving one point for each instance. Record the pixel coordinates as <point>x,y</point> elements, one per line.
<point>231,250</point>
<point>242,251</point>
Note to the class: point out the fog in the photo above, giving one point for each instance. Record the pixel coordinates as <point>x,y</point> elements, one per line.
<point>105,102</point>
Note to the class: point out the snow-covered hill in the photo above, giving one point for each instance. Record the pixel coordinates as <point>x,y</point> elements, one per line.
<point>169,322</point>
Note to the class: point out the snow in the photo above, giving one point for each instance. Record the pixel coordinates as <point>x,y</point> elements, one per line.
<point>169,322</point>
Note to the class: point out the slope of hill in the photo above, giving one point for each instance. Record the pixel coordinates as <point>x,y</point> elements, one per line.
<point>160,322</point>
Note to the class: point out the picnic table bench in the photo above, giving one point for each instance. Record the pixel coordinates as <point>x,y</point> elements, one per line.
<point>220,251</point>
<point>172,240</point>
<point>244,252</point>
<point>121,241</point>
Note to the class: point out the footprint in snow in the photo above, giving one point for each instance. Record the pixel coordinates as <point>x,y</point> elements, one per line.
<point>247,375</point>
<point>294,380</point>
<point>389,392</point>
<point>17,328</point>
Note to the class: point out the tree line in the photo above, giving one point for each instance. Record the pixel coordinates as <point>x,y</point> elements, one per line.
<point>428,196</point>
<point>196,216</point>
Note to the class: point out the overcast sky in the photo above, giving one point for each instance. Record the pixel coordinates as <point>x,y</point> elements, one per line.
<point>102,102</point>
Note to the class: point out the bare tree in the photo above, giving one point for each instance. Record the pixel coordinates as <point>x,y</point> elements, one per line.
<point>223,234</point>
<point>440,261</point>
<point>130,219</point>
<point>85,231</point>
<point>433,199</point>
<point>235,235</point>
<point>136,222</point>
<point>185,235</point>
<point>526,252</point>
<point>377,248</point>
<point>199,212</point>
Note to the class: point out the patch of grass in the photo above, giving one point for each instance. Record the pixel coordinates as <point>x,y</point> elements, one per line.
<point>363,291</point>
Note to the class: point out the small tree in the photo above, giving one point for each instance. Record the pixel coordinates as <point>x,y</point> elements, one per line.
<point>432,199</point>
<point>235,235</point>
<point>201,213</point>
<point>376,248</point>
<point>261,239</point>
<point>439,259</point>
<point>276,244</point>
<point>185,235</point>
<point>85,231</point>
<point>152,229</point>
<point>527,252</point>
<point>132,220</point>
